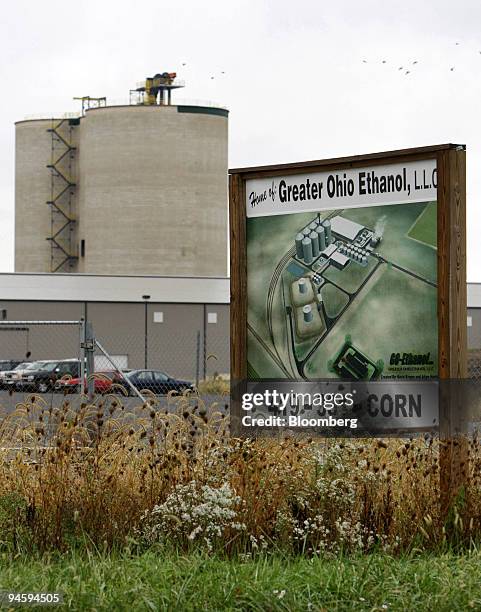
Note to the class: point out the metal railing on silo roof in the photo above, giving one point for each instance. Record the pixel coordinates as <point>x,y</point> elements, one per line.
<point>173,83</point>
<point>193,102</point>
<point>51,116</point>
<point>176,102</point>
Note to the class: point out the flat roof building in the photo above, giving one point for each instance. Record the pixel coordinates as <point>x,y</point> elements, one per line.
<point>339,260</point>
<point>345,228</point>
<point>328,251</point>
<point>155,322</point>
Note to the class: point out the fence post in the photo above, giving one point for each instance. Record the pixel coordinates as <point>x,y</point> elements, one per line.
<point>90,349</point>
<point>146,336</point>
<point>197,361</point>
<point>452,312</point>
<point>82,356</point>
<point>205,344</point>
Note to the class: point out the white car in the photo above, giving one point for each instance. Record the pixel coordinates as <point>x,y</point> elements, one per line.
<point>10,378</point>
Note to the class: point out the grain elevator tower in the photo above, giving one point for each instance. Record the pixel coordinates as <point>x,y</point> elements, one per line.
<point>139,188</point>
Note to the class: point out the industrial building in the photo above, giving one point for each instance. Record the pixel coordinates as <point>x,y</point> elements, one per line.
<point>474,316</point>
<point>345,228</point>
<point>179,325</point>
<point>153,321</point>
<point>474,330</point>
<point>121,220</point>
<point>335,241</point>
<point>339,260</point>
<point>129,189</point>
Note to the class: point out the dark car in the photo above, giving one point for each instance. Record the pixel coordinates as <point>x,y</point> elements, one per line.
<point>156,381</point>
<point>44,378</point>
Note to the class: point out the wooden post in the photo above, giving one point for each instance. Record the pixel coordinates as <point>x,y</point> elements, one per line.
<point>452,309</point>
<point>238,278</point>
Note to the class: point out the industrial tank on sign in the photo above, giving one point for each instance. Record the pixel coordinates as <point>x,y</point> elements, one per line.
<point>133,189</point>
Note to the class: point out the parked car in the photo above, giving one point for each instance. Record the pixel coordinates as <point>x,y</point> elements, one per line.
<point>9,364</point>
<point>156,381</point>
<point>102,383</point>
<point>9,377</point>
<point>43,378</point>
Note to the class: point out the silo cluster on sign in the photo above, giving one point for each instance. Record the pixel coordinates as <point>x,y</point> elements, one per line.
<point>312,240</point>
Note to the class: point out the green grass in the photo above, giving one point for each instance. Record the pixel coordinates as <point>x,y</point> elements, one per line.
<point>170,581</point>
<point>424,228</point>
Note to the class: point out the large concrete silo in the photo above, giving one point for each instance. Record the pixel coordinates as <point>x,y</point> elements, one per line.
<point>32,190</point>
<point>45,167</point>
<point>152,190</point>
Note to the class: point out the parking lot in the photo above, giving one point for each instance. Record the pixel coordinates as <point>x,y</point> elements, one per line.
<point>10,401</point>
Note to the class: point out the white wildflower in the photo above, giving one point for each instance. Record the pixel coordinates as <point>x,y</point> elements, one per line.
<point>191,510</point>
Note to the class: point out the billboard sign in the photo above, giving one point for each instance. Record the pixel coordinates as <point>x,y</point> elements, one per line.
<point>340,272</point>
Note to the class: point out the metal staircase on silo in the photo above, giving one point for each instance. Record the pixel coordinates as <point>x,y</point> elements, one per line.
<point>62,223</point>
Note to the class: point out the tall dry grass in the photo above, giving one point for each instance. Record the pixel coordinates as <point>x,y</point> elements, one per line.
<point>94,474</point>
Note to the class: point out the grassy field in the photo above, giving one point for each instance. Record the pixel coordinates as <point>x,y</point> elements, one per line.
<point>162,509</point>
<point>425,228</point>
<point>399,311</point>
<point>169,581</point>
<point>187,517</point>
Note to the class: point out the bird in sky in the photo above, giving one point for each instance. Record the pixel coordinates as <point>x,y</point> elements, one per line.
<point>452,69</point>
<point>184,64</point>
<point>415,62</point>
<point>407,72</point>
<point>383,61</point>
<point>400,68</point>
<point>364,61</point>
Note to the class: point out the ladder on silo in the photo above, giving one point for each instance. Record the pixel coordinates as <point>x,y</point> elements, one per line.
<point>62,219</point>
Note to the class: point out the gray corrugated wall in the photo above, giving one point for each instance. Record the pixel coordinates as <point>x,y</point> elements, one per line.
<point>43,342</point>
<point>474,332</point>
<point>169,345</point>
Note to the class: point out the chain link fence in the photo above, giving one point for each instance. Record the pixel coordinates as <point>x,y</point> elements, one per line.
<point>474,364</point>
<point>55,358</point>
<point>36,355</point>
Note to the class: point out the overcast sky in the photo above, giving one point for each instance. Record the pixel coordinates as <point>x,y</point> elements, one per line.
<point>303,80</point>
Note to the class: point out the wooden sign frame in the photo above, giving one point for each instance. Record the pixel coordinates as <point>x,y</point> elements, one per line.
<point>451,265</point>
<point>451,247</point>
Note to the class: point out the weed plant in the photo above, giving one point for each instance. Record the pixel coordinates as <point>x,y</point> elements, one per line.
<point>99,475</point>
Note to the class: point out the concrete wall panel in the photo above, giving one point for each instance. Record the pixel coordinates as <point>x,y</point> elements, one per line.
<point>153,192</point>
<point>33,188</point>
<point>42,341</point>
<point>474,331</point>
<point>120,328</point>
<point>172,343</point>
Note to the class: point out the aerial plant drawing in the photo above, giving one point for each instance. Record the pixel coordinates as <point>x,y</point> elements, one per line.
<point>347,293</point>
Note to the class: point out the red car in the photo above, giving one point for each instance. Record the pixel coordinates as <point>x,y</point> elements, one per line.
<point>102,383</point>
